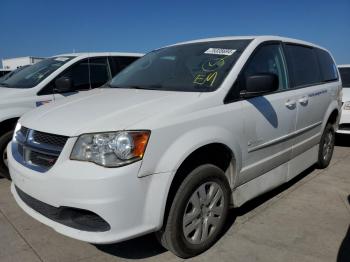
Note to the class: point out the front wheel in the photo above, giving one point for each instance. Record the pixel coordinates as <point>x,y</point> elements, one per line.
<point>326,148</point>
<point>198,212</point>
<point>5,139</point>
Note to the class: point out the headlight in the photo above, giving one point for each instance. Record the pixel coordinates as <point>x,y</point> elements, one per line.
<point>346,106</point>
<point>111,149</point>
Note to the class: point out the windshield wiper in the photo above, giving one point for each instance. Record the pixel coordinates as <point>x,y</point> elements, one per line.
<point>127,87</point>
<point>150,87</point>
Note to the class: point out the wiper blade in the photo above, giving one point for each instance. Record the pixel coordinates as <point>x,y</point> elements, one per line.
<point>151,87</point>
<point>127,87</point>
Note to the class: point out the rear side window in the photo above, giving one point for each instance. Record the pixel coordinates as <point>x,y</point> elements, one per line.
<point>120,62</point>
<point>327,66</point>
<point>345,76</point>
<point>303,65</point>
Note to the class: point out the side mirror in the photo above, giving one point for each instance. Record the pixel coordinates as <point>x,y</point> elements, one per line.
<point>63,85</point>
<point>260,84</point>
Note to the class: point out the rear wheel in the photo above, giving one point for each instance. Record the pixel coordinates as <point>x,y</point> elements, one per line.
<point>5,139</point>
<point>326,148</point>
<point>198,212</point>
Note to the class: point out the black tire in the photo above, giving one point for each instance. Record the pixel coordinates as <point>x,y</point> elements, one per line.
<point>326,148</point>
<point>172,235</point>
<point>5,139</point>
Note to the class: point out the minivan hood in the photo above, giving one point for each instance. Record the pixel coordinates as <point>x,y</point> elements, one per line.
<point>103,110</point>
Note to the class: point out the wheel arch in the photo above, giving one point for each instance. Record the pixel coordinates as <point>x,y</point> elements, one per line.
<point>216,153</point>
<point>332,115</point>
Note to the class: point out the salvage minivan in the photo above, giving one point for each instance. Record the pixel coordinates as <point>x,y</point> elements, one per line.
<point>52,79</point>
<point>177,138</point>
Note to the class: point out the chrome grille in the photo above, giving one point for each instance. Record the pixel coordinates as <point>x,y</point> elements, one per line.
<point>37,150</point>
<point>49,139</point>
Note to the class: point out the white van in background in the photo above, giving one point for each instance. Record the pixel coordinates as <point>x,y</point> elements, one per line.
<point>52,79</point>
<point>344,123</point>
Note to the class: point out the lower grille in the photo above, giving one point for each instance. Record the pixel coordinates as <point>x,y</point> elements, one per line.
<point>71,217</point>
<point>42,160</point>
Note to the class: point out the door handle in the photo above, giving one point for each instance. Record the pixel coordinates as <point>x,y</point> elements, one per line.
<point>290,104</point>
<point>304,101</point>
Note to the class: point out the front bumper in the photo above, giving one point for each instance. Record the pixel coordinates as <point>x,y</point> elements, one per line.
<point>344,123</point>
<point>132,206</point>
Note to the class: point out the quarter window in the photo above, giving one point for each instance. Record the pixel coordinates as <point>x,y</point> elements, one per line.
<point>268,59</point>
<point>327,66</point>
<point>303,65</point>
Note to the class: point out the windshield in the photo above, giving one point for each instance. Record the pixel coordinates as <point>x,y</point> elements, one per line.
<point>345,76</point>
<point>34,74</point>
<point>7,76</point>
<point>197,67</point>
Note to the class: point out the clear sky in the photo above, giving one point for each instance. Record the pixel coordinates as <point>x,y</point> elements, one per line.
<point>45,28</point>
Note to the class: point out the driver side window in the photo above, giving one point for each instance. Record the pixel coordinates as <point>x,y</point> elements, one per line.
<point>85,75</point>
<point>268,59</point>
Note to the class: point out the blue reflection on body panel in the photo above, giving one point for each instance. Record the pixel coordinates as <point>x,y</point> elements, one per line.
<point>266,109</point>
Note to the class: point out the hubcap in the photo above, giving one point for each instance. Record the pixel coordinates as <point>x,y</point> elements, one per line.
<point>4,158</point>
<point>328,145</point>
<point>203,213</point>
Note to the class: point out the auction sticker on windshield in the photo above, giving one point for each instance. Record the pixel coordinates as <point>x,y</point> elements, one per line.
<point>61,59</point>
<point>220,51</point>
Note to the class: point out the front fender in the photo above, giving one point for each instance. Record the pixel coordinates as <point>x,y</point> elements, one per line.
<point>167,157</point>
<point>164,163</point>
<point>11,113</point>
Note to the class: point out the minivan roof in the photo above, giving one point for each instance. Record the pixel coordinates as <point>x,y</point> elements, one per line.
<point>94,54</point>
<point>340,66</point>
<point>261,38</point>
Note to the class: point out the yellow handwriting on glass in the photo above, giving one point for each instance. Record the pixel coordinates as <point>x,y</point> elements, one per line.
<point>202,79</point>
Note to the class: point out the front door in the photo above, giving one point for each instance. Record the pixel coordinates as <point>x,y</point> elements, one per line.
<point>269,120</point>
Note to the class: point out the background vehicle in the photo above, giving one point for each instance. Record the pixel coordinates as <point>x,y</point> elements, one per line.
<point>16,62</point>
<point>7,76</point>
<point>4,72</point>
<point>52,79</point>
<point>181,134</point>
<point>344,123</point>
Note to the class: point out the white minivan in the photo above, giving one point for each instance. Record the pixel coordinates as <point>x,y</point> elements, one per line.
<point>177,138</point>
<point>344,123</point>
<point>52,79</point>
